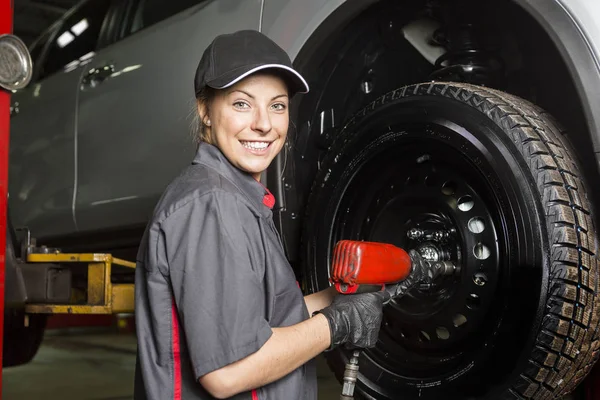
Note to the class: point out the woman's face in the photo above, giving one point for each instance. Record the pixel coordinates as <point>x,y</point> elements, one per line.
<point>249,121</point>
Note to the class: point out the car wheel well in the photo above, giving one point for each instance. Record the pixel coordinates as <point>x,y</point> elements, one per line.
<point>368,55</point>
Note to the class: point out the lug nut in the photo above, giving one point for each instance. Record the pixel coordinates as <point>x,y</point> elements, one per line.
<point>415,233</point>
<point>479,279</point>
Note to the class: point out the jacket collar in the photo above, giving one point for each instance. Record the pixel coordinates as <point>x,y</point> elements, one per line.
<point>211,156</point>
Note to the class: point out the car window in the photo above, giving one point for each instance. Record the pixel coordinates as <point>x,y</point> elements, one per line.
<point>77,37</point>
<point>150,12</point>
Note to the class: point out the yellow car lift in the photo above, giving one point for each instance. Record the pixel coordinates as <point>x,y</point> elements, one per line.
<point>103,297</point>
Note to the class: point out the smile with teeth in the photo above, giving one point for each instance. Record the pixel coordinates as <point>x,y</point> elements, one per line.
<point>255,145</point>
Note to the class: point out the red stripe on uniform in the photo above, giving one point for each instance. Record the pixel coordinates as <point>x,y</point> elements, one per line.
<point>254,395</point>
<point>268,198</point>
<point>176,353</point>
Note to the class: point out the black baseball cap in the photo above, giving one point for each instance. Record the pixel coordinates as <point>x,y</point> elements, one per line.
<point>232,57</point>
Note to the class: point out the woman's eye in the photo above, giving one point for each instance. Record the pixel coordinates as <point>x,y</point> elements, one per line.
<point>279,106</point>
<point>240,104</point>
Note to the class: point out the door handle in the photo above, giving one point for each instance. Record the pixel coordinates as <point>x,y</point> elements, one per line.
<point>97,75</point>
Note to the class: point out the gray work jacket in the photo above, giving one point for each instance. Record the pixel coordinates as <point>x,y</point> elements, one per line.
<point>212,280</point>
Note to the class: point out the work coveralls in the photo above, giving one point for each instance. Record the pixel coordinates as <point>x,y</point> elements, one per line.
<point>212,280</point>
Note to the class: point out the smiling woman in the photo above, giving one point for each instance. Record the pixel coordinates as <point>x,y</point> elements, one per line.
<point>212,256</point>
<point>248,122</point>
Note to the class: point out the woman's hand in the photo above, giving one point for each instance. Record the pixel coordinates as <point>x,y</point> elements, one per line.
<point>355,319</point>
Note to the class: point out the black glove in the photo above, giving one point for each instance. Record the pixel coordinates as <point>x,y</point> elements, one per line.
<point>418,273</point>
<point>355,319</point>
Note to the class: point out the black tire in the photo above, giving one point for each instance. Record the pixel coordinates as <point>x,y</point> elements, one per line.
<point>21,343</point>
<point>495,175</point>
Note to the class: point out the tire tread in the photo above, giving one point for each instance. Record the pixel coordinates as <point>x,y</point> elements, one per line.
<point>570,225</point>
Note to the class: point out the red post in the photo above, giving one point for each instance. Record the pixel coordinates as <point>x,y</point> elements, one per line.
<point>6,20</point>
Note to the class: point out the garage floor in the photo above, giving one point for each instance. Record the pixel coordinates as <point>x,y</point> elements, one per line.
<point>93,365</point>
<point>96,365</point>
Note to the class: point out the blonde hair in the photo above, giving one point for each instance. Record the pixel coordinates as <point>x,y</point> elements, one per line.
<point>199,131</point>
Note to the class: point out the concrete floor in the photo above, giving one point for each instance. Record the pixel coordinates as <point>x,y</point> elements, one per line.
<point>97,365</point>
<point>94,366</point>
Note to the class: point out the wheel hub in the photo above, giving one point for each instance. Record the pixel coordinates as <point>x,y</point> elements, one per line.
<point>430,252</point>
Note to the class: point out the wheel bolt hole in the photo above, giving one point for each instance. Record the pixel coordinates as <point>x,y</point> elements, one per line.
<point>442,333</point>
<point>465,203</point>
<point>473,301</point>
<point>366,87</point>
<point>448,188</point>
<point>476,225</point>
<point>459,320</point>
<point>481,251</point>
<point>424,336</point>
<point>480,278</point>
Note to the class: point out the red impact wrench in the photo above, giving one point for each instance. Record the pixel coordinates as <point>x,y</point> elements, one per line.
<point>361,267</point>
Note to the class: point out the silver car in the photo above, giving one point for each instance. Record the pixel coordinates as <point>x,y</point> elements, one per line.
<point>466,130</point>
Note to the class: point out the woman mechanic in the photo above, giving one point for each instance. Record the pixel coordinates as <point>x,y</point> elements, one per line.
<point>219,313</point>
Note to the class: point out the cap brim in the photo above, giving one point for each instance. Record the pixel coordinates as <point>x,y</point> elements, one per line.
<point>233,77</point>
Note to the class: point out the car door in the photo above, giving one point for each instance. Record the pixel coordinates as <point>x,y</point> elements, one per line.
<point>135,105</point>
<point>42,149</point>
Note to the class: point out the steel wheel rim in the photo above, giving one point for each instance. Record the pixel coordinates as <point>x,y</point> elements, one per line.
<point>433,331</point>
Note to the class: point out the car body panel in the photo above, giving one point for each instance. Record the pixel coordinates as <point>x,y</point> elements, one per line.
<point>134,127</point>
<point>573,26</point>
<point>41,173</point>
<point>291,23</point>
<point>586,15</point>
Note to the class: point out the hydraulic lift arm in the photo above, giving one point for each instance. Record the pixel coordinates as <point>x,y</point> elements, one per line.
<point>102,296</point>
